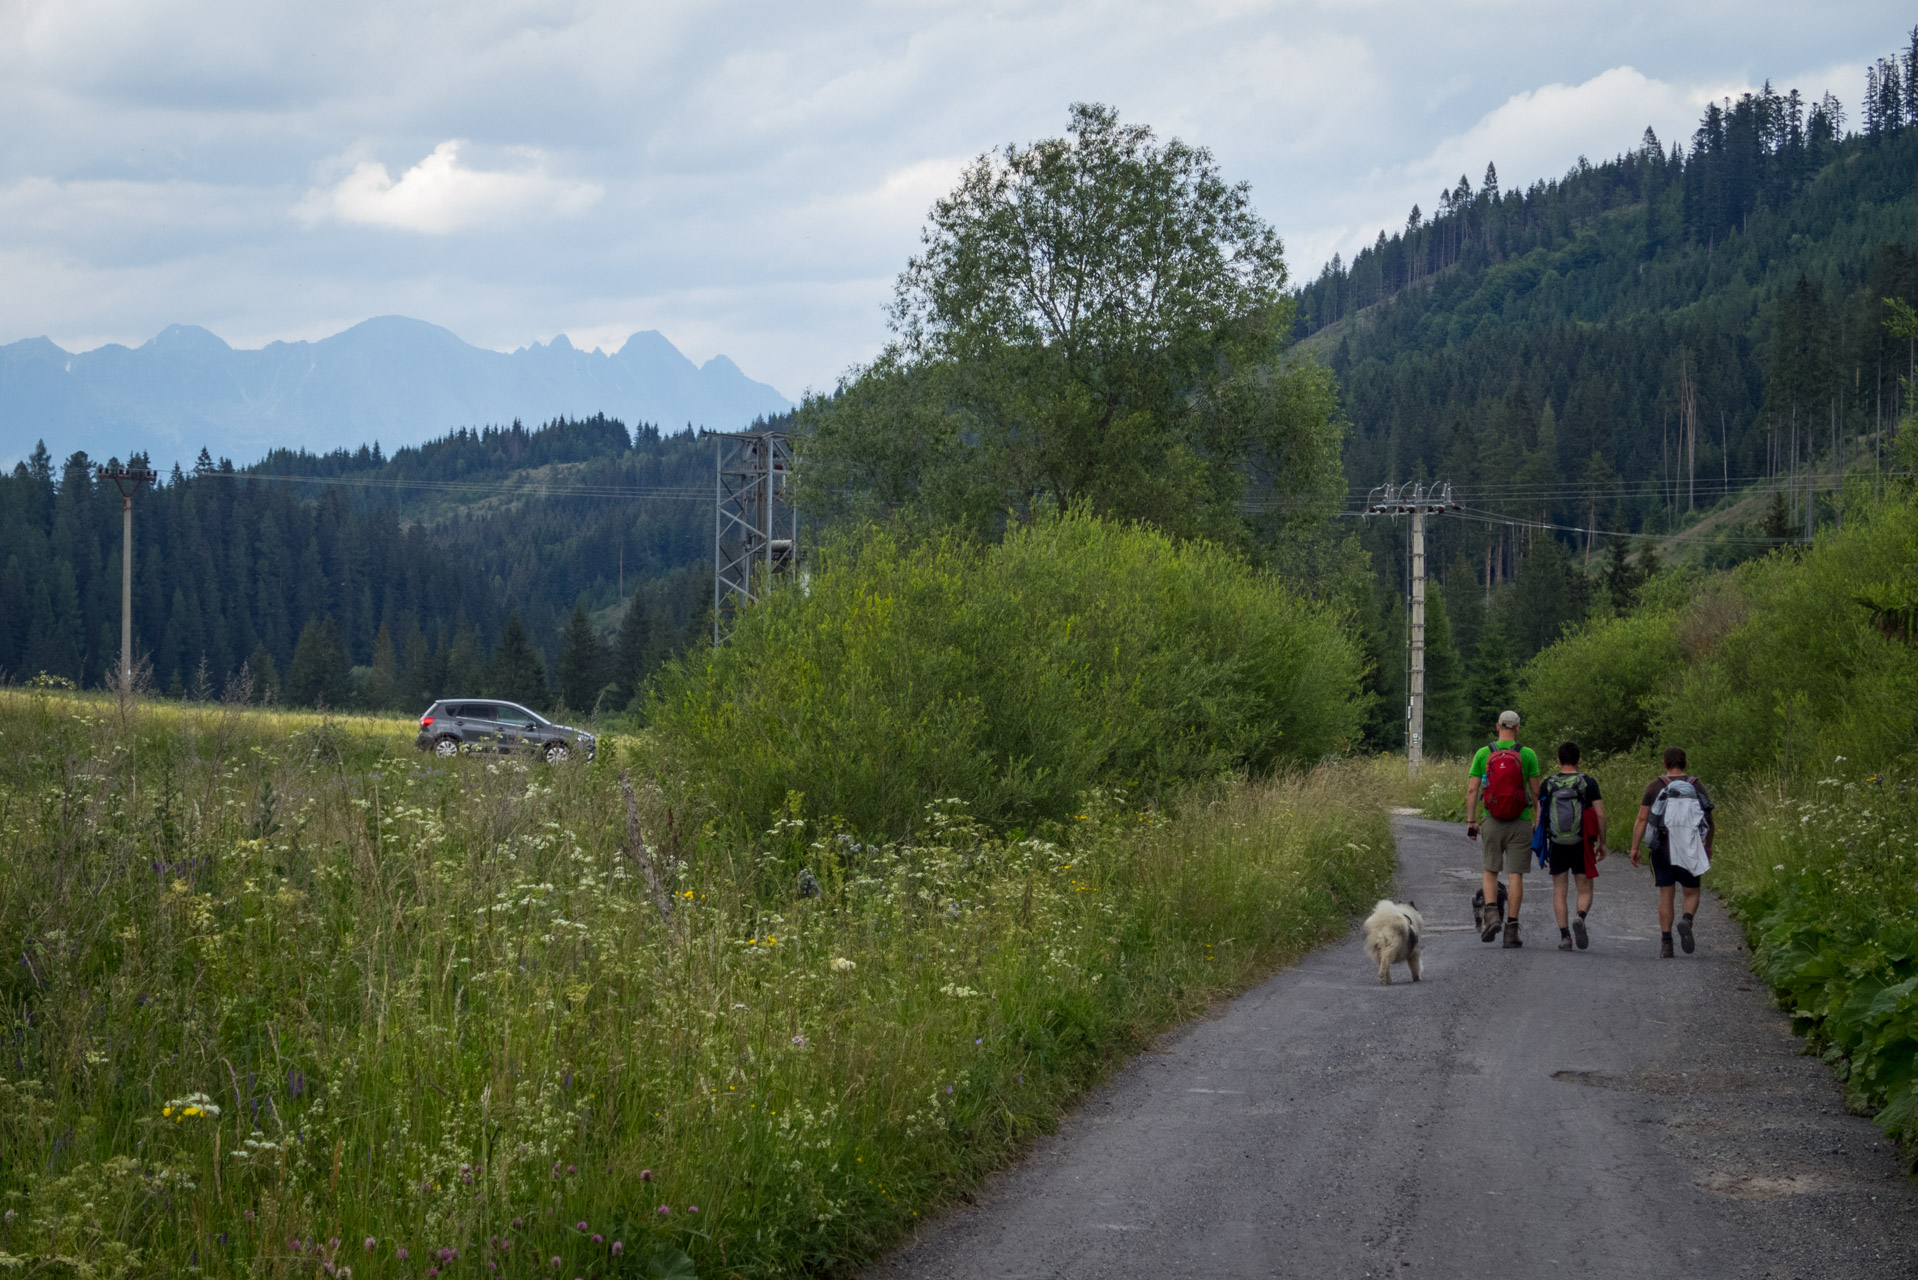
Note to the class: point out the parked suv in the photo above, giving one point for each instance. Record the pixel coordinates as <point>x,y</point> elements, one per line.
<point>490,725</point>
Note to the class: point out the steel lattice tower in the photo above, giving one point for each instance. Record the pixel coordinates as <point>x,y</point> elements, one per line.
<point>756,528</point>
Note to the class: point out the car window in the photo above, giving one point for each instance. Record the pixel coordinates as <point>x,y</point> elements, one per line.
<point>515,717</point>
<point>474,711</point>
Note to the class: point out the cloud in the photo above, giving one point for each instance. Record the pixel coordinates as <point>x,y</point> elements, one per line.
<point>440,195</point>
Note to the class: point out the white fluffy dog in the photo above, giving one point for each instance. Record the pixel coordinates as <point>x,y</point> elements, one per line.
<point>1392,935</point>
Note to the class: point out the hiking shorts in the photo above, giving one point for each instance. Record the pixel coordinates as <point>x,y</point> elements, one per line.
<point>1664,874</point>
<point>1508,845</point>
<point>1568,857</point>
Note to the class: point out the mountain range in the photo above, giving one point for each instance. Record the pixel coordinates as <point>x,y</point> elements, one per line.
<point>390,379</point>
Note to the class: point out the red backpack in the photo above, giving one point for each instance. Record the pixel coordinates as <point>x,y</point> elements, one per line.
<point>1504,783</point>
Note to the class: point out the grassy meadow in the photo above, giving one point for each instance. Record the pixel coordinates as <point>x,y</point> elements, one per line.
<point>285,997</point>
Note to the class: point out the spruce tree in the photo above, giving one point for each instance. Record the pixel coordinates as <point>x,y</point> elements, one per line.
<point>1445,712</point>
<point>633,652</point>
<point>265,675</point>
<point>517,672</point>
<point>582,663</point>
<point>319,675</point>
<point>1493,684</point>
<point>382,685</point>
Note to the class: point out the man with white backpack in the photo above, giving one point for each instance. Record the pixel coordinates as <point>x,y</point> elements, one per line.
<point>1677,813</point>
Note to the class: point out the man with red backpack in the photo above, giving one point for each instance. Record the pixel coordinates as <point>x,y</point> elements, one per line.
<point>1504,776</point>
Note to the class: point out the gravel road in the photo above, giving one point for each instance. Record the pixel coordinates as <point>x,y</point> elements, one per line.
<point>1517,1114</point>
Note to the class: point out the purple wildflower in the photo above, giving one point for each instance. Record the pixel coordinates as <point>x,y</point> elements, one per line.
<point>370,1242</point>
<point>580,1227</point>
<point>619,1247</point>
<point>598,1238</point>
<point>663,1211</point>
<point>692,1208</point>
<point>645,1175</point>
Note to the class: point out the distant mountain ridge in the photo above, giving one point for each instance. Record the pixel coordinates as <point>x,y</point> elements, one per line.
<point>391,379</point>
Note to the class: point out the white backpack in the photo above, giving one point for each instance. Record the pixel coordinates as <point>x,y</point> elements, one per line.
<point>1680,813</point>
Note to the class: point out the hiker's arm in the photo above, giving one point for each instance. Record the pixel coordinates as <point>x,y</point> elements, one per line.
<point>1471,802</point>
<point>1638,829</point>
<point>1598,807</point>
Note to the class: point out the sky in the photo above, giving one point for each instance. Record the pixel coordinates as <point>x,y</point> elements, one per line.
<point>746,177</point>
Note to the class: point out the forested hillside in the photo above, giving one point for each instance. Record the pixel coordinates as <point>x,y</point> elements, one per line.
<point>1623,350</point>
<point>372,580</point>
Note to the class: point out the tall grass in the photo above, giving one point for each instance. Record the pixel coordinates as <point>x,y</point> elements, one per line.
<point>283,997</point>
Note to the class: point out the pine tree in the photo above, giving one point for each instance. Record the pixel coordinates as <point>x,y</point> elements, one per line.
<point>382,683</point>
<point>1493,684</point>
<point>265,675</point>
<point>582,663</point>
<point>633,651</point>
<point>1622,577</point>
<point>517,671</point>
<point>1445,712</point>
<point>319,675</point>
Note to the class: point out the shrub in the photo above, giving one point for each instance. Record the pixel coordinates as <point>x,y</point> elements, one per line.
<point>1806,671</point>
<point>1076,653</point>
<point>1600,685</point>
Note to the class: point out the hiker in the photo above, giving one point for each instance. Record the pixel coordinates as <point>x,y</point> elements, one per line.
<point>1571,813</point>
<point>1505,776</point>
<point>1676,812</point>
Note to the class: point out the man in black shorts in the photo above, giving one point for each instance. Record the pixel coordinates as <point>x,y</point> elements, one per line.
<point>1668,877</point>
<point>1563,800</point>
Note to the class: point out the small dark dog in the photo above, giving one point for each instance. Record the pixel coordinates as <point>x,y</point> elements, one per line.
<point>1488,920</point>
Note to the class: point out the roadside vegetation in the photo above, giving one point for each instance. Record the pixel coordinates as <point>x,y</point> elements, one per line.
<point>1792,682</point>
<point>292,999</point>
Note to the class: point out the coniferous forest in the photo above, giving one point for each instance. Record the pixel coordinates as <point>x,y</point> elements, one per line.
<point>557,565</point>
<point>1628,349</point>
<point>1621,351</point>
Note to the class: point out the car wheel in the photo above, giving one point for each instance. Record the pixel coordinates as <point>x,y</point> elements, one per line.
<point>558,753</point>
<point>446,748</point>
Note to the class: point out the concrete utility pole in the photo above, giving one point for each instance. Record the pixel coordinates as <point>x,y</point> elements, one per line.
<point>128,481</point>
<point>1417,501</point>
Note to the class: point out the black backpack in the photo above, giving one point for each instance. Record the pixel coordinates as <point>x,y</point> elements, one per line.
<point>1561,808</point>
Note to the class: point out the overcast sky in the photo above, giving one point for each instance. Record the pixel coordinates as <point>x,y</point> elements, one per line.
<point>748,178</point>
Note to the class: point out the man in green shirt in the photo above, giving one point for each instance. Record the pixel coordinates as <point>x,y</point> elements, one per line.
<point>1507,834</point>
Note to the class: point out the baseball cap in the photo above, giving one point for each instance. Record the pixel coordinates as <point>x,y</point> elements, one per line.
<point>1508,719</point>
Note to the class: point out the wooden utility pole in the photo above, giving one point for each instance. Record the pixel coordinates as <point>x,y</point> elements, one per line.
<point>1417,501</point>
<point>128,481</point>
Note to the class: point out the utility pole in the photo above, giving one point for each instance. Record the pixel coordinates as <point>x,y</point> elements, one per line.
<point>1417,501</point>
<point>128,481</point>
<point>756,526</point>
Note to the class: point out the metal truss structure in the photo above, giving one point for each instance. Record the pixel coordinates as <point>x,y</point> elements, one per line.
<point>756,527</point>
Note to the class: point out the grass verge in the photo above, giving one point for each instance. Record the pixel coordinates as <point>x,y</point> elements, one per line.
<point>292,999</point>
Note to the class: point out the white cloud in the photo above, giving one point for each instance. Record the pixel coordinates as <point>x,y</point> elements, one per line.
<point>439,195</point>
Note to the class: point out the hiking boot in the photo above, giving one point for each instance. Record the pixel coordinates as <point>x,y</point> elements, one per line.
<point>1664,948</point>
<point>1578,931</point>
<point>1564,944</point>
<point>1488,923</point>
<point>1685,939</point>
<point>1511,934</point>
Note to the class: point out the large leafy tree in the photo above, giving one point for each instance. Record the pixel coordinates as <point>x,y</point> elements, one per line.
<point>1097,319</point>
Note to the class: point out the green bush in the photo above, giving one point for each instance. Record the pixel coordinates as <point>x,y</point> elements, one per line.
<point>1076,653</point>
<point>1800,665</point>
<point>1600,686</point>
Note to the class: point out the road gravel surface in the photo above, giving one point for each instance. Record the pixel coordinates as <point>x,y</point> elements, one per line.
<point>1519,1113</point>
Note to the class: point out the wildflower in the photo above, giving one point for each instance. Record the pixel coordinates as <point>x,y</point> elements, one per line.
<point>518,1223</point>
<point>598,1238</point>
<point>692,1208</point>
<point>572,1169</point>
<point>556,1264</point>
<point>980,1040</point>
<point>401,1253</point>
<point>645,1175</point>
<point>663,1211</point>
<point>619,1247</point>
<point>948,1088</point>
<point>1779,867</point>
<point>580,1227</point>
<point>370,1242</point>
<point>842,965</point>
<point>799,1041</point>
